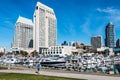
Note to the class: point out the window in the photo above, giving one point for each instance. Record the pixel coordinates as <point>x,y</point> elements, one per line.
<point>36,7</point>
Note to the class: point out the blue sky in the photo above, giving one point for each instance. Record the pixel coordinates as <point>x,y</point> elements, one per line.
<point>77,20</point>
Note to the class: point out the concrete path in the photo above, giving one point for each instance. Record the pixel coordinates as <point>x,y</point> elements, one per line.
<point>61,74</point>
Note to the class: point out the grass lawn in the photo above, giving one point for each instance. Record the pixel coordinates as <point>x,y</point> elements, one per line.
<point>17,76</point>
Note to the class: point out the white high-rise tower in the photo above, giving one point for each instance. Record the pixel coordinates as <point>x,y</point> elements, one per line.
<point>44,34</point>
<point>23,37</point>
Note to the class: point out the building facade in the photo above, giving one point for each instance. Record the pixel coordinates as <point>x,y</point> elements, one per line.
<point>44,34</point>
<point>96,42</point>
<point>58,50</point>
<point>79,45</point>
<point>72,43</point>
<point>2,49</point>
<point>118,43</point>
<point>109,35</point>
<point>106,50</point>
<point>23,36</point>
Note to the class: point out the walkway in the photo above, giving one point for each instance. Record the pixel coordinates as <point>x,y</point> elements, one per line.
<point>62,74</point>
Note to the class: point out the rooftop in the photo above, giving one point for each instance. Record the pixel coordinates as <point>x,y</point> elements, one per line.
<point>24,20</point>
<point>44,6</point>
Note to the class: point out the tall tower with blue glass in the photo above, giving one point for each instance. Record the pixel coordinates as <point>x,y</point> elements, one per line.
<point>109,34</point>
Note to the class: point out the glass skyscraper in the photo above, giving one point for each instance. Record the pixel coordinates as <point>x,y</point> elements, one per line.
<point>118,43</point>
<point>44,34</point>
<point>109,35</point>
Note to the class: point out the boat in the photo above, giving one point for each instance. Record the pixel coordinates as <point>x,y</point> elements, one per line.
<point>9,60</point>
<point>53,61</point>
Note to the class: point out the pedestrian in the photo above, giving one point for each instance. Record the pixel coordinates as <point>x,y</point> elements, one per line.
<point>38,67</point>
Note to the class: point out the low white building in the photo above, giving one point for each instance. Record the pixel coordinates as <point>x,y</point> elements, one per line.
<point>58,50</point>
<point>102,48</point>
<point>106,48</point>
<point>2,49</point>
<point>28,50</point>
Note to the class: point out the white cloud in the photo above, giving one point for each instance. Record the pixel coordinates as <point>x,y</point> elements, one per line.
<point>113,15</point>
<point>85,27</point>
<point>69,28</point>
<point>109,10</point>
<point>72,29</point>
<point>7,22</point>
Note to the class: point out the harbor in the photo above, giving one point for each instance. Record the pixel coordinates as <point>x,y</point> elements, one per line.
<point>75,39</point>
<point>87,62</point>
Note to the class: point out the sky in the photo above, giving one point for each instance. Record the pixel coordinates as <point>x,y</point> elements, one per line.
<point>77,20</point>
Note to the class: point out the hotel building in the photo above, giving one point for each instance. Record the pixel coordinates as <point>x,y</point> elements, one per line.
<point>44,34</point>
<point>23,36</point>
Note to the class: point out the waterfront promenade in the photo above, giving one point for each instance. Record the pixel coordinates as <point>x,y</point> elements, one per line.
<point>64,74</point>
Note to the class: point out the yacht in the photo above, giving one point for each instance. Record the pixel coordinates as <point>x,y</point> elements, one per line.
<point>53,61</point>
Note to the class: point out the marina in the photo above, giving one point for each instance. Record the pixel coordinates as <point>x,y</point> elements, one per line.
<point>87,62</point>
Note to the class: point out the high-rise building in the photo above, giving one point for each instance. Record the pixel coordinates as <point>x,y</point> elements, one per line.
<point>118,43</point>
<point>23,37</point>
<point>109,35</point>
<point>96,42</point>
<point>44,34</point>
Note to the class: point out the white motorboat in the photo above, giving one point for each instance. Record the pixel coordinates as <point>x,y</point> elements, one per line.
<point>52,61</point>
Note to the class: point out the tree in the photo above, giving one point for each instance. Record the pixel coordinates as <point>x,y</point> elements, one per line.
<point>1,54</point>
<point>24,53</point>
<point>34,53</point>
<point>64,43</point>
<point>9,53</point>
